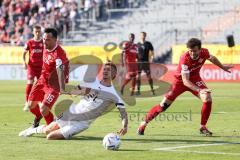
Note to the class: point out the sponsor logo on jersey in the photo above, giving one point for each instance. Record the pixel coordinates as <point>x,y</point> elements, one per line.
<point>48,59</point>
<point>37,51</point>
<point>133,50</point>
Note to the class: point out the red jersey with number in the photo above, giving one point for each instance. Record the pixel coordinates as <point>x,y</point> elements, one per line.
<point>130,50</point>
<point>35,49</point>
<point>193,67</point>
<point>51,60</point>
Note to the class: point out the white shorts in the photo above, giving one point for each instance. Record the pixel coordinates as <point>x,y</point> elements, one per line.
<point>70,128</point>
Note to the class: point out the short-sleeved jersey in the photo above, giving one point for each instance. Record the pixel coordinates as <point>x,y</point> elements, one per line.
<point>188,65</point>
<point>130,50</point>
<point>100,100</point>
<point>51,60</point>
<point>143,51</point>
<point>35,49</point>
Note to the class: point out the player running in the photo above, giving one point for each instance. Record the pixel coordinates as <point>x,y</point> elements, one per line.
<point>144,58</point>
<point>52,80</point>
<point>100,99</point>
<point>34,47</point>
<point>187,78</point>
<point>129,59</point>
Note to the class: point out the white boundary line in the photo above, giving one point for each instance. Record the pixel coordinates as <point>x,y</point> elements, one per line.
<point>175,149</point>
<point>202,152</point>
<point>189,146</point>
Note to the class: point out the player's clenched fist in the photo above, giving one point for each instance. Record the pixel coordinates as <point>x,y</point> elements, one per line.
<point>122,131</point>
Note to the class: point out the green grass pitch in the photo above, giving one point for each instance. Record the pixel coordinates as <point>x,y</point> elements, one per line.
<point>174,135</point>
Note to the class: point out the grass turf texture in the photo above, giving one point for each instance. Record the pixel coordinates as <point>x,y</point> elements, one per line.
<point>163,132</point>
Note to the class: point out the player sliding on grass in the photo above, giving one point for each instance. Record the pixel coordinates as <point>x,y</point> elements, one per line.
<point>100,98</point>
<point>187,78</point>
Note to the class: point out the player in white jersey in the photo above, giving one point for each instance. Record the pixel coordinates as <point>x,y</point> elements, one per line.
<point>100,99</point>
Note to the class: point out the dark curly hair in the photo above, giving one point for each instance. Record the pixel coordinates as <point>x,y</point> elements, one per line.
<point>193,42</point>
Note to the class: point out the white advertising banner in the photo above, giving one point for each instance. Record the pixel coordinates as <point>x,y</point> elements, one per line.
<point>17,72</point>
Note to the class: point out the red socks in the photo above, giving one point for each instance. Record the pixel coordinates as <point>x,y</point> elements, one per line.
<point>36,112</point>
<point>206,111</point>
<point>28,90</point>
<point>133,84</point>
<point>48,118</point>
<point>126,82</point>
<point>153,112</point>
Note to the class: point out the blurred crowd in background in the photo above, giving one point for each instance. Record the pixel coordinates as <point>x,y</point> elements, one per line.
<point>17,17</point>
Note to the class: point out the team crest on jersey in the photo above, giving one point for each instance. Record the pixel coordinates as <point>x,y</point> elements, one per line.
<point>184,67</point>
<point>200,60</point>
<point>48,59</point>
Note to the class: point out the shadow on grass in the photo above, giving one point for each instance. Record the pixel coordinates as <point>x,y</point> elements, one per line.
<point>145,140</point>
<point>132,150</point>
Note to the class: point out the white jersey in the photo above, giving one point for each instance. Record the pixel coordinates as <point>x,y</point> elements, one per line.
<point>100,100</point>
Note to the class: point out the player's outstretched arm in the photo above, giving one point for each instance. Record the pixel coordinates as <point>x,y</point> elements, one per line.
<point>78,91</point>
<point>124,118</point>
<point>216,62</point>
<point>188,83</point>
<point>151,55</point>
<point>192,86</point>
<point>61,77</point>
<point>24,58</point>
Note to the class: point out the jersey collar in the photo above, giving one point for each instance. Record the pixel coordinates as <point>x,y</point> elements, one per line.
<point>53,48</point>
<point>191,57</point>
<point>37,40</point>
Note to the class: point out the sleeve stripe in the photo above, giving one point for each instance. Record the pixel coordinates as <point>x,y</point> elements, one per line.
<point>182,72</point>
<point>119,104</point>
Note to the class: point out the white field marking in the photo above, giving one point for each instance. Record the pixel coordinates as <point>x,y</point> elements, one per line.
<point>202,152</point>
<point>189,146</point>
<point>176,149</point>
<point>221,112</point>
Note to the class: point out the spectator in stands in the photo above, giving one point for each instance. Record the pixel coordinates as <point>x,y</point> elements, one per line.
<point>99,8</point>
<point>4,37</point>
<point>18,15</point>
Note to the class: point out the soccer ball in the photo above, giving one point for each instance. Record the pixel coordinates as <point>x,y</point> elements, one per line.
<point>111,141</point>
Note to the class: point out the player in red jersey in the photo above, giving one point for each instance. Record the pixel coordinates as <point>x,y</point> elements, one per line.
<point>34,66</point>
<point>187,78</point>
<point>129,59</point>
<point>52,80</point>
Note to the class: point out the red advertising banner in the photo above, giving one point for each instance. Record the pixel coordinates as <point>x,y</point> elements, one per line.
<point>209,73</point>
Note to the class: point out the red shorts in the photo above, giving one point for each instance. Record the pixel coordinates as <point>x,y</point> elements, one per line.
<point>132,69</point>
<point>43,93</point>
<point>33,72</point>
<point>178,88</point>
